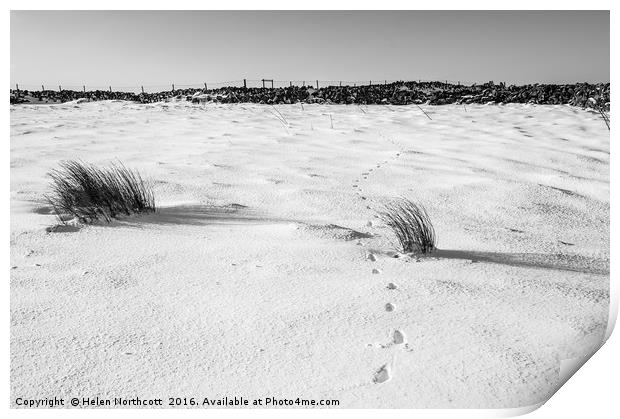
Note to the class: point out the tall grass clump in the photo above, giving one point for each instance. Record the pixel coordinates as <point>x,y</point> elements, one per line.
<point>89,193</point>
<point>411,225</point>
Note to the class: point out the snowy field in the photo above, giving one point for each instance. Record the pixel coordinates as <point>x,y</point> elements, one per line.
<point>265,271</point>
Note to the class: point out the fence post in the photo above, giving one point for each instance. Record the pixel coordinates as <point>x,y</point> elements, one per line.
<point>172,87</point>
<point>263,80</point>
<point>317,84</point>
<point>42,87</point>
<point>205,86</point>
<point>384,81</point>
<point>370,83</point>
<point>60,88</point>
<point>290,84</point>
<point>340,83</point>
<point>110,89</point>
<point>142,87</point>
<point>304,83</point>
<point>245,85</point>
<point>84,88</point>
<point>17,87</point>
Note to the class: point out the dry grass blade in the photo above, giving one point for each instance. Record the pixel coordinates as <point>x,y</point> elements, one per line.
<point>280,118</point>
<point>605,116</point>
<point>601,109</point>
<point>280,113</point>
<point>427,115</point>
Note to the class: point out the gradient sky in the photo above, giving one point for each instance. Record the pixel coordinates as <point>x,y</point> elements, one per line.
<point>133,48</point>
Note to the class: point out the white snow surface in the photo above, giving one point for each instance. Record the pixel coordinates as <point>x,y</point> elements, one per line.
<point>254,277</point>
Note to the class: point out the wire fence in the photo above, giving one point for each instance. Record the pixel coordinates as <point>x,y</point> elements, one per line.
<point>248,83</point>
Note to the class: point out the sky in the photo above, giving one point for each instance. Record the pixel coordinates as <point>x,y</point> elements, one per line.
<point>157,48</point>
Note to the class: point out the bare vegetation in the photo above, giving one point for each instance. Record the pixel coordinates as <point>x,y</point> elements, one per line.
<point>601,109</point>
<point>88,193</point>
<point>604,115</point>
<point>411,225</point>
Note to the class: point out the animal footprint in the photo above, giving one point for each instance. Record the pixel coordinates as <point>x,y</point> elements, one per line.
<point>389,307</point>
<point>399,337</point>
<point>392,286</point>
<point>382,374</point>
<point>371,257</point>
<point>376,271</point>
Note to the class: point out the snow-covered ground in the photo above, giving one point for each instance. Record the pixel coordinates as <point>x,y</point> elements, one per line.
<point>254,277</point>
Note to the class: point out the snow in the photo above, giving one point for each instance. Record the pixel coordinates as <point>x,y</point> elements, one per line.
<point>266,272</point>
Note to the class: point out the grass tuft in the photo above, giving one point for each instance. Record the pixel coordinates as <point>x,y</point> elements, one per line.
<point>411,225</point>
<point>88,193</point>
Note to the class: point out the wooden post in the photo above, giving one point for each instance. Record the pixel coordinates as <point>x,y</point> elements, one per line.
<point>290,84</point>
<point>304,83</point>
<point>142,87</point>
<point>110,89</point>
<point>317,84</point>
<point>205,86</point>
<point>42,87</point>
<point>340,83</point>
<point>263,80</point>
<point>370,83</point>
<point>245,86</point>
<point>84,88</point>
<point>272,83</point>
<point>172,87</point>
<point>60,88</point>
<point>17,87</point>
<point>384,81</point>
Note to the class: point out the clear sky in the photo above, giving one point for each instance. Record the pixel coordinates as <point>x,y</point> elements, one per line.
<point>133,48</point>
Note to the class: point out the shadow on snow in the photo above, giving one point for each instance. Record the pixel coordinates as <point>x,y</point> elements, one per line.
<point>562,262</point>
